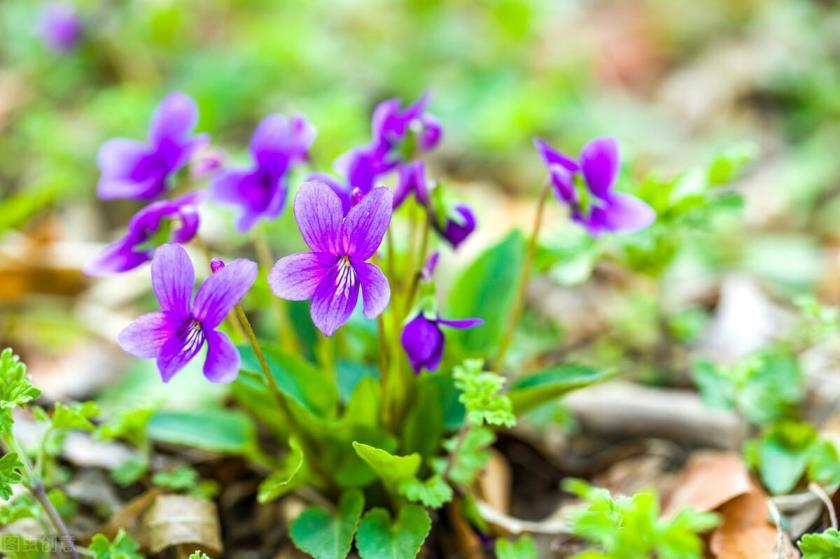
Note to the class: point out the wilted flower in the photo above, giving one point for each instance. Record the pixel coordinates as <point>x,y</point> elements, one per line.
<point>459,223</point>
<point>60,27</point>
<point>132,169</point>
<point>423,339</point>
<point>160,222</point>
<point>587,187</point>
<point>332,274</point>
<point>175,334</point>
<point>278,143</point>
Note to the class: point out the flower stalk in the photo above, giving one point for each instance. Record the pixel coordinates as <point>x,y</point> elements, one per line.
<point>286,332</point>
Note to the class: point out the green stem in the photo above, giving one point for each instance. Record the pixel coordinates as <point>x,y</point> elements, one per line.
<point>326,355</point>
<point>453,456</point>
<point>384,372</point>
<point>519,302</point>
<point>285,329</point>
<point>418,267</point>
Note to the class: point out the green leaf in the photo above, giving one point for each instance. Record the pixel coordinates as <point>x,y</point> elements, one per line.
<point>523,548</point>
<point>198,555</point>
<point>824,463</point>
<point>480,395</point>
<point>74,416</point>
<point>716,387</point>
<point>130,425</point>
<point>130,471</point>
<point>390,468</point>
<point>328,536</point>
<point>531,391</point>
<point>23,506</point>
<point>11,473</point>
<point>782,453</point>
<point>15,388</point>
<point>123,547</point>
<point>186,480</point>
<point>487,289</point>
<point>468,457</point>
<point>433,492</point>
<point>821,546</point>
<point>424,425</point>
<point>286,478</point>
<point>214,430</point>
<point>297,378</point>
<point>379,538</point>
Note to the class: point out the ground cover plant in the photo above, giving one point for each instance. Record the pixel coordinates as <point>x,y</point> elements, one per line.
<point>318,320</point>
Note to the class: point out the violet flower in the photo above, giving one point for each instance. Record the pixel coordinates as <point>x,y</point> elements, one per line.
<point>459,224</point>
<point>259,192</point>
<point>423,339</point>
<point>60,27</point>
<point>332,274</point>
<point>412,180</point>
<point>392,124</point>
<point>160,222</point>
<point>587,187</point>
<point>132,169</point>
<point>175,334</point>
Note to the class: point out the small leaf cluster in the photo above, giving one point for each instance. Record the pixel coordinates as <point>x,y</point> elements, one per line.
<point>825,545</point>
<point>480,394</point>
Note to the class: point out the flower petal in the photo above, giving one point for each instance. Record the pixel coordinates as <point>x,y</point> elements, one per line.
<point>423,343</point>
<point>375,289</point>
<point>146,336</point>
<point>318,215</point>
<point>623,213</point>
<point>461,323</point>
<point>222,290</point>
<point>553,157</point>
<point>296,277</point>
<point>179,350</point>
<point>174,119</point>
<point>366,224</point>
<point>121,164</point>
<point>115,258</point>
<point>334,299</point>
<point>599,163</point>
<point>173,278</point>
<point>222,361</point>
<point>279,141</point>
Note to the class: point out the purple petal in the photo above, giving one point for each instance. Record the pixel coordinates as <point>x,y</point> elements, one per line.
<point>174,119</point>
<point>362,166</point>
<point>432,133</point>
<point>428,270</point>
<point>412,179</point>
<point>222,361</point>
<point>462,323</point>
<point>366,224</point>
<point>458,226</point>
<point>146,336</point>
<point>564,184</point>
<point>119,162</point>
<point>173,278</point>
<point>599,163</point>
<point>318,214</point>
<point>423,343</point>
<point>375,289</point>
<point>382,116</point>
<point>116,258</point>
<point>296,277</point>
<point>179,350</point>
<point>255,193</point>
<point>623,213</point>
<point>335,298</point>
<point>279,142</point>
<point>341,190</point>
<point>60,27</point>
<point>222,291</point>
<point>554,157</point>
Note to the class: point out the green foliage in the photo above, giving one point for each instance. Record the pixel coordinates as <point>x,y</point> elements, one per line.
<point>198,555</point>
<point>11,473</point>
<point>821,546</point>
<point>325,535</point>
<point>391,469</point>
<point>568,255</point>
<point>15,388</point>
<point>764,387</point>
<point>286,478</point>
<point>214,430</point>
<point>522,548</point>
<point>433,492</point>
<point>22,506</point>
<point>487,288</point>
<point>123,547</point>
<point>630,527</point>
<point>186,480</point>
<point>379,537</point>
<point>74,416</point>
<point>480,395</point>
<point>467,455</point>
<point>130,425</point>
<point>530,391</point>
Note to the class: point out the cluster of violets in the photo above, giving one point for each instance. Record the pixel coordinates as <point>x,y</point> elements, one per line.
<point>342,221</point>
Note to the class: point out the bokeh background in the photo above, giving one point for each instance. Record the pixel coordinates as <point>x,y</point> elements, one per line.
<point>674,81</point>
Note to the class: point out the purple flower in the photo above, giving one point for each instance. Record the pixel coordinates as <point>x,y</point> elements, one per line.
<point>458,225</point>
<point>160,222</point>
<point>336,268</point>
<point>412,180</point>
<point>278,143</point>
<point>132,169</point>
<point>596,206</point>
<point>175,334</point>
<point>362,166</point>
<point>392,124</point>
<point>60,27</point>
<point>423,339</point>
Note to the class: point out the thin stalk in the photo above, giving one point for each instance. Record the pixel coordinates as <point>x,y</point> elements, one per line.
<point>326,355</point>
<point>286,331</point>
<point>36,488</point>
<point>418,267</point>
<point>384,372</point>
<point>453,456</point>
<point>829,506</point>
<point>519,302</point>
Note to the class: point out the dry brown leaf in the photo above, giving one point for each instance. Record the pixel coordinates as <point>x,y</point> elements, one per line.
<point>494,482</point>
<point>463,541</point>
<point>181,520</point>
<point>746,533</point>
<point>708,480</point>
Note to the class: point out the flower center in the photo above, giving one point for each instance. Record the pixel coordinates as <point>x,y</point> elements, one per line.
<point>346,277</point>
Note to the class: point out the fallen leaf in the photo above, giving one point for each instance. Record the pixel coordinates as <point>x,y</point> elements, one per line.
<point>708,480</point>
<point>494,482</point>
<point>180,520</point>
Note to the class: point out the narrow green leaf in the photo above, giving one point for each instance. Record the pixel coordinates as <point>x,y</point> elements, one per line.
<point>380,538</point>
<point>328,536</point>
<point>283,480</point>
<point>214,430</point>
<point>531,391</point>
<point>74,416</point>
<point>390,468</point>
